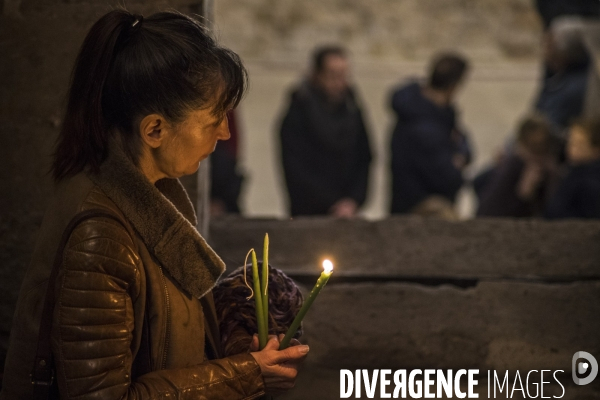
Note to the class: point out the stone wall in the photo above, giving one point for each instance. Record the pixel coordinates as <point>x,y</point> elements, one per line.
<point>287,30</point>
<point>415,293</point>
<point>417,248</point>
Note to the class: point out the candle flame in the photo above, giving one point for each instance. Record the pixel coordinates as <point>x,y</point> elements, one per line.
<point>328,266</point>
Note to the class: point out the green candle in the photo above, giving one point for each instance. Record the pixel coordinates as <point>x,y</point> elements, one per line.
<point>322,281</point>
<point>265,283</point>
<point>260,317</point>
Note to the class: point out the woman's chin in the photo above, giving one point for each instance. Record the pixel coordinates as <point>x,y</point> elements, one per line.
<point>192,170</point>
<point>195,168</point>
<point>189,171</point>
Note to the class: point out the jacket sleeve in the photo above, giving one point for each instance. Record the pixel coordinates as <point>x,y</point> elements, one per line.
<point>299,166</point>
<point>238,342</point>
<point>432,159</point>
<point>94,322</point>
<point>574,198</point>
<point>358,190</point>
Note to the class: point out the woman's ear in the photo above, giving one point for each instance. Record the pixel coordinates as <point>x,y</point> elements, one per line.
<point>153,129</point>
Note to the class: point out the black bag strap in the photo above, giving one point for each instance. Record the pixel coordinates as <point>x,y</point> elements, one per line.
<point>42,375</point>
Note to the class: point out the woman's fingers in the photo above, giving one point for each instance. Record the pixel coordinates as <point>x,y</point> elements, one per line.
<point>254,343</point>
<point>279,368</point>
<point>293,342</point>
<point>291,354</point>
<point>272,344</point>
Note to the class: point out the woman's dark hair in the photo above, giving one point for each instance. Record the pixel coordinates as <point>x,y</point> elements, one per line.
<point>129,67</point>
<point>447,70</point>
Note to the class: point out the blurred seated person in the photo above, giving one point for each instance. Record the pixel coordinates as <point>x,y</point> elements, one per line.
<point>519,185</point>
<point>566,59</point>
<point>324,143</point>
<point>578,195</point>
<point>429,150</point>
<point>226,181</point>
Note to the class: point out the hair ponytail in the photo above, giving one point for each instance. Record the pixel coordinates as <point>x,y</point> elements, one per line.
<point>84,125</point>
<point>129,67</point>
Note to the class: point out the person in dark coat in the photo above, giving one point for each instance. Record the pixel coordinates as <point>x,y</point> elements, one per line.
<point>578,195</point>
<point>566,59</point>
<point>429,150</point>
<point>519,185</point>
<point>551,9</point>
<point>324,143</point>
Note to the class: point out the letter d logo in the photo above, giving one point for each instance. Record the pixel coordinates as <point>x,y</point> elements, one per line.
<point>582,367</point>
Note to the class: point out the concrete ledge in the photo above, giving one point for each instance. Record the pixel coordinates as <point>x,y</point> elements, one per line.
<point>499,326</point>
<point>416,247</point>
<point>416,293</point>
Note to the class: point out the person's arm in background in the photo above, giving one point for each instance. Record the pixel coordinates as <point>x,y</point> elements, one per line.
<point>347,207</point>
<point>360,183</point>
<point>300,170</point>
<point>358,177</point>
<point>463,153</point>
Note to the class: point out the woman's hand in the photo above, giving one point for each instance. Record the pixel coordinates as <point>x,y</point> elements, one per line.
<point>279,368</point>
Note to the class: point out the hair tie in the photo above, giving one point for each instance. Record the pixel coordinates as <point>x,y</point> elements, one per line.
<point>138,19</point>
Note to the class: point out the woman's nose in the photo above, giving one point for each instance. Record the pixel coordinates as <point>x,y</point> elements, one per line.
<point>224,133</point>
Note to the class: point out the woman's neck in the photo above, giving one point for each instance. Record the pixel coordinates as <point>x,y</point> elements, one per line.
<point>148,166</point>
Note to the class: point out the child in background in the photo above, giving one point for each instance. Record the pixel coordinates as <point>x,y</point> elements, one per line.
<point>519,185</point>
<point>578,195</point>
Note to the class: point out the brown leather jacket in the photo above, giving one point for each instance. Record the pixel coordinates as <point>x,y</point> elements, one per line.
<point>134,315</point>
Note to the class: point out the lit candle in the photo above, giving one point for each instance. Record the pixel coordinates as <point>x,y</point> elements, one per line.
<point>322,281</point>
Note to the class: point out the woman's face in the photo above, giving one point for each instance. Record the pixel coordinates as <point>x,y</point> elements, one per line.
<point>189,142</point>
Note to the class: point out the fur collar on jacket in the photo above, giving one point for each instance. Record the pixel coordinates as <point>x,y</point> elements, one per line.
<point>164,217</point>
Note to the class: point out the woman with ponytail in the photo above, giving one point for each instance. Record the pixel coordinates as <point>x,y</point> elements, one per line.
<point>117,302</point>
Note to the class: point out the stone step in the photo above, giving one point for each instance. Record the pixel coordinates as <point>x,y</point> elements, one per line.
<point>496,325</point>
<point>412,247</point>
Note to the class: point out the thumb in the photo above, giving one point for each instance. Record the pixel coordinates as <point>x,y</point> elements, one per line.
<point>291,353</point>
